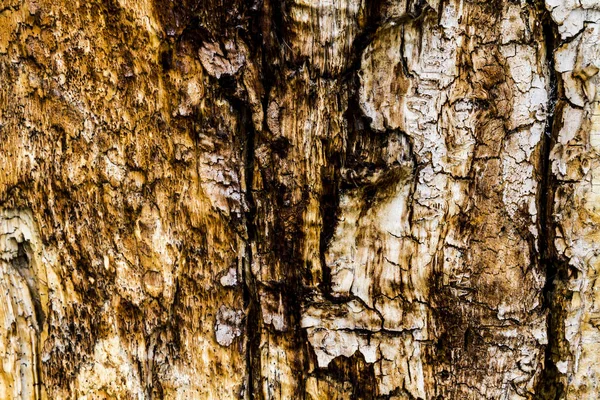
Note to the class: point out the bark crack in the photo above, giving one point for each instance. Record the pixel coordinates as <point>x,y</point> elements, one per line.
<point>250,295</point>
<point>550,385</point>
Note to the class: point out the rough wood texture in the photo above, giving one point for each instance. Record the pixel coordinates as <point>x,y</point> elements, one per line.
<point>299,199</point>
<point>575,173</point>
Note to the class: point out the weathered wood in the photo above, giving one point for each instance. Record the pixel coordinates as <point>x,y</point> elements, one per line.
<point>299,199</point>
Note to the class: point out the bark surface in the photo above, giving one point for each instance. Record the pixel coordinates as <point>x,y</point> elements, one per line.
<point>299,199</point>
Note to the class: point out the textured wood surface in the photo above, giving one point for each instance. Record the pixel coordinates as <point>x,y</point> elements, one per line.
<point>299,199</point>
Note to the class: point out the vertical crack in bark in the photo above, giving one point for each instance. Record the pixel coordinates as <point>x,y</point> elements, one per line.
<point>250,296</point>
<point>266,38</point>
<point>550,385</point>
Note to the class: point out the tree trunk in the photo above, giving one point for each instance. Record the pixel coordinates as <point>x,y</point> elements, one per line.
<point>299,199</point>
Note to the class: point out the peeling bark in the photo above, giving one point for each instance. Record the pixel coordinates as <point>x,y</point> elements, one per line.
<point>299,199</point>
<point>572,233</point>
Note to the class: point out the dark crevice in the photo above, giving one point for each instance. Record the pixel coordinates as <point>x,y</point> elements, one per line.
<point>22,264</point>
<point>330,211</point>
<point>266,38</point>
<point>250,294</point>
<point>550,385</point>
<point>363,39</point>
<point>286,232</point>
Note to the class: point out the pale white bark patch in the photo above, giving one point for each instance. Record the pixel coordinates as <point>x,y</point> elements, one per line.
<point>576,164</point>
<point>23,294</point>
<point>112,372</point>
<point>228,325</point>
<point>230,278</point>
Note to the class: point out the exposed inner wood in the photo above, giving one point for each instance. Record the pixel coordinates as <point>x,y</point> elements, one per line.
<point>299,199</point>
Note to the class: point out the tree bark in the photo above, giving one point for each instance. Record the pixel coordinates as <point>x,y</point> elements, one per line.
<point>299,199</point>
